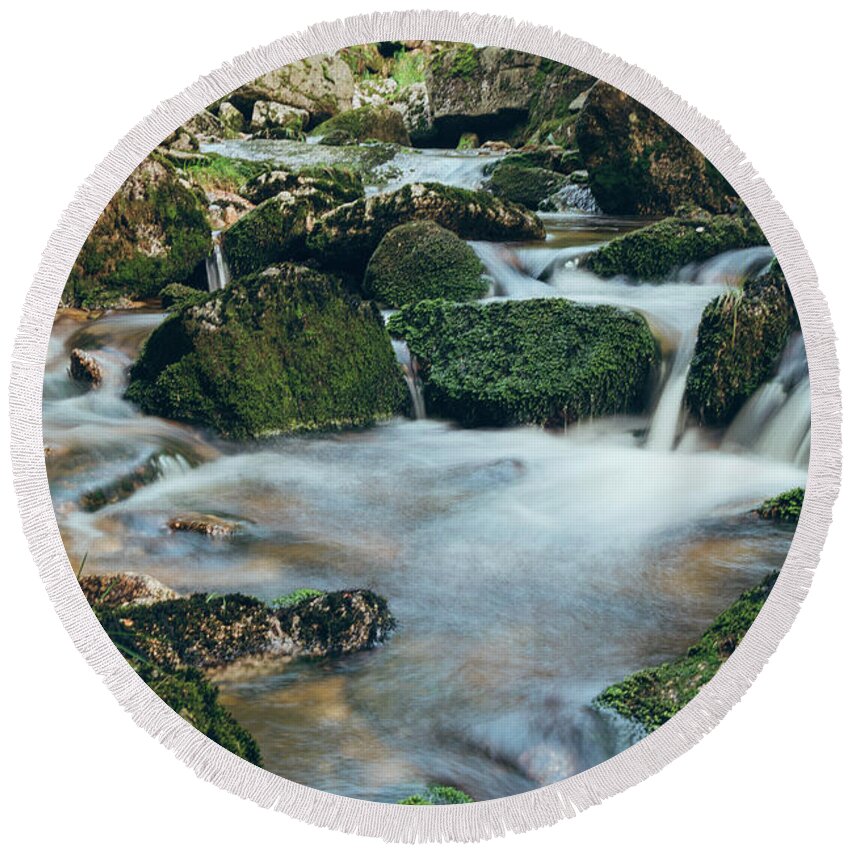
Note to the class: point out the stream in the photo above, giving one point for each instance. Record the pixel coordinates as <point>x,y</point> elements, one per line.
<point>527,569</point>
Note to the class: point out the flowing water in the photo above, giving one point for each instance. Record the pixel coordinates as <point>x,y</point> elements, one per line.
<point>218,273</point>
<point>528,570</point>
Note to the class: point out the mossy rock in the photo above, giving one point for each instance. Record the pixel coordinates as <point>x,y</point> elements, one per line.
<point>651,697</point>
<point>529,186</point>
<point>640,165</point>
<point>741,336</point>
<point>347,237</point>
<point>550,157</point>
<point>438,795</point>
<point>377,123</point>
<point>543,361</point>
<point>785,507</point>
<point>177,295</point>
<point>654,251</point>
<point>279,351</point>
<point>277,228</point>
<point>153,232</point>
<point>188,692</point>
<point>420,260</point>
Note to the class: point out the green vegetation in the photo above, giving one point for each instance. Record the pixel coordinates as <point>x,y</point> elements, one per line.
<point>280,351</point>
<point>785,507</point>
<point>295,598</point>
<point>652,696</point>
<point>544,361</point>
<point>153,232</point>
<point>741,336</point>
<point>408,68</point>
<point>177,295</point>
<point>655,250</point>
<point>420,260</point>
<point>437,795</point>
<point>463,61</point>
<point>213,171</point>
<point>530,187</point>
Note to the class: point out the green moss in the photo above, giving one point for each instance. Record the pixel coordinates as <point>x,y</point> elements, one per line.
<point>654,251</point>
<point>422,260</point>
<point>437,795</point>
<point>741,336</point>
<point>223,173</point>
<point>154,231</point>
<point>468,142</point>
<point>530,187</point>
<point>408,68</point>
<point>295,597</point>
<point>463,61</point>
<point>280,351</point>
<point>177,295</point>
<point>543,361</point>
<point>550,157</point>
<point>379,123</point>
<point>785,507</point>
<point>652,696</point>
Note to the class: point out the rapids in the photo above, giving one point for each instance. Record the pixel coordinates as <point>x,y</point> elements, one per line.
<point>528,570</point>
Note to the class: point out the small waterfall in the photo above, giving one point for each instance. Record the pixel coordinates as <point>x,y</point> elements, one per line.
<point>218,274</point>
<point>776,419</point>
<point>667,419</point>
<point>411,377</point>
<point>730,267</point>
<point>511,280</point>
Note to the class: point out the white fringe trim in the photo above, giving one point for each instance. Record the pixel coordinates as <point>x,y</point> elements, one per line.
<point>476,821</point>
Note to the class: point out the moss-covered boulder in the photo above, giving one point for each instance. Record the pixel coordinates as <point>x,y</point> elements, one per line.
<point>531,187</point>
<point>118,590</point>
<point>640,165</point>
<point>177,295</point>
<point>652,252</point>
<point>271,120</point>
<point>555,104</point>
<point>283,350</point>
<point>551,157</point>
<point>420,260</point>
<point>486,91</point>
<point>652,696</point>
<point>377,123</point>
<point>322,85</point>
<point>741,336</point>
<point>785,507</point>
<point>278,227</point>
<point>347,237</point>
<point>154,231</point>
<point>543,361</point>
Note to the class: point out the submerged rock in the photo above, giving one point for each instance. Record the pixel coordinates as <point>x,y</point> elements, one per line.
<point>116,590</point>
<point>84,368</point>
<point>785,507</point>
<point>154,231</point>
<point>543,361</point>
<point>529,186</point>
<point>375,123</point>
<point>212,526</point>
<point>279,351</point>
<point>422,260</point>
<point>658,249</point>
<point>742,334</point>
<point>289,205</point>
<point>124,486</point>
<point>640,165</point>
<point>346,237</point>
<point>651,697</point>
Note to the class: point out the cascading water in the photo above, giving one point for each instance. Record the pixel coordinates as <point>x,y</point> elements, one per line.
<point>218,273</point>
<point>410,369</point>
<point>574,196</point>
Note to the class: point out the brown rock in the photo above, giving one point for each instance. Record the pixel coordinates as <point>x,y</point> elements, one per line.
<point>85,368</point>
<point>208,524</point>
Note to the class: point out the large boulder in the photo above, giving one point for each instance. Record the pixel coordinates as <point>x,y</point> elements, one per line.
<point>280,351</point>
<point>487,91</point>
<point>420,260</point>
<point>376,123</point>
<point>346,237</point>
<point>323,85</point>
<point>652,252</point>
<point>741,336</point>
<point>278,121</point>
<point>545,361</point>
<point>531,187</point>
<point>288,205</point>
<point>154,231</point>
<point>555,105</point>
<point>640,165</point>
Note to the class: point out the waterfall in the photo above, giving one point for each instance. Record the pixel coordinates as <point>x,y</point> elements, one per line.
<point>666,421</point>
<point>410,369</point>
<point>730,267</point>
<point>509,277</point>
<point>218,274</point>
<point>776,419</point>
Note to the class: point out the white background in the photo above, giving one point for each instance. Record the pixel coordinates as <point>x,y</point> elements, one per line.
<point>75,77</point>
